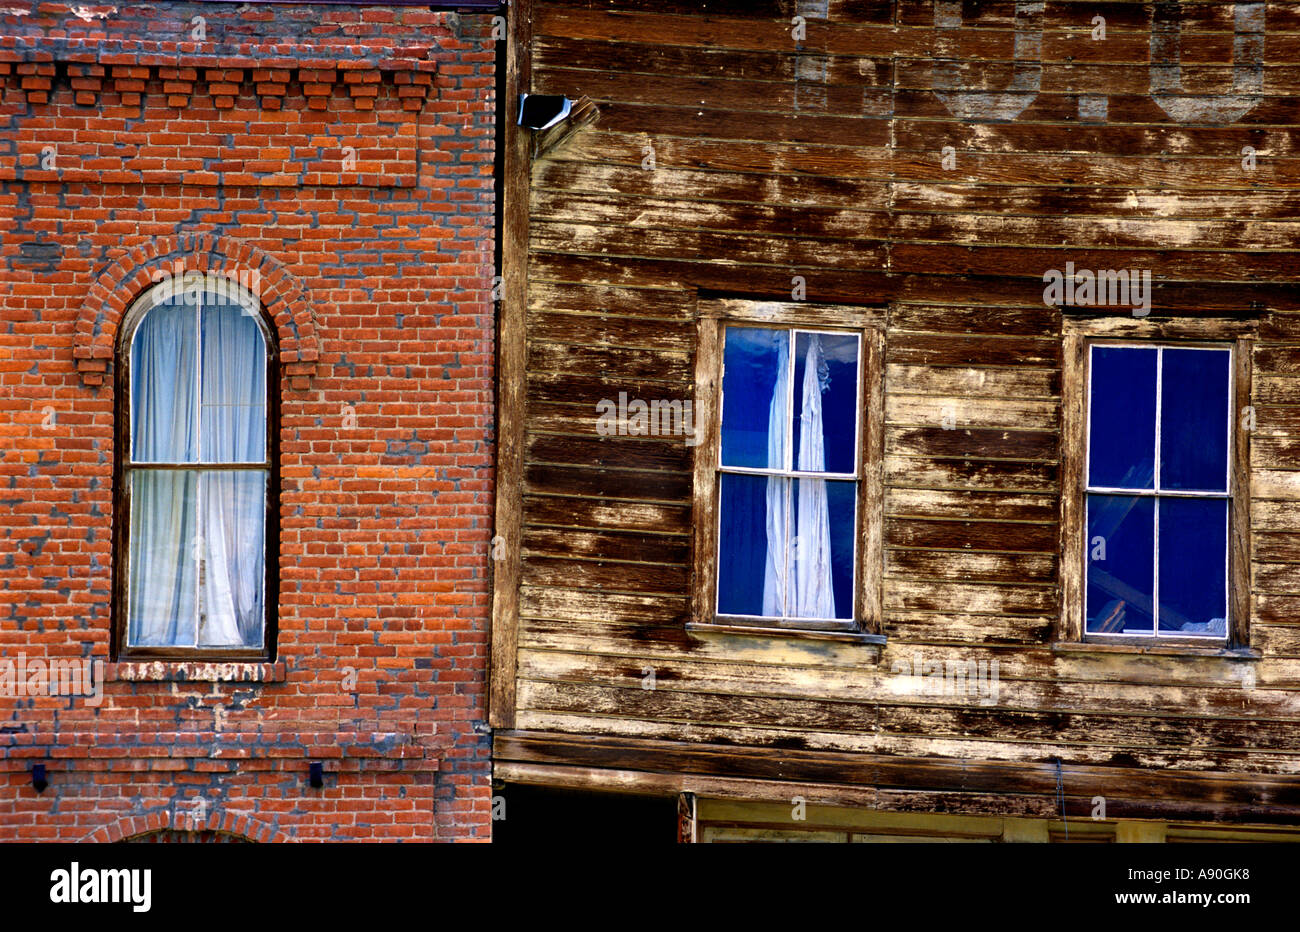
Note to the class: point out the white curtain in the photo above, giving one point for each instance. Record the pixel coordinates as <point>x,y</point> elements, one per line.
<point>778,422</point>
<point>164,429</point>
<point>814,595</point>
<point>233,502</point>
<point>164,573</point>
<point>234,387</point>
<point>807,592</point>
<point>197,536</point>
<point>164,355</point>
<point>234,511</point>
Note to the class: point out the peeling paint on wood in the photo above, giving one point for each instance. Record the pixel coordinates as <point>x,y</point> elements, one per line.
<point>918,166</point>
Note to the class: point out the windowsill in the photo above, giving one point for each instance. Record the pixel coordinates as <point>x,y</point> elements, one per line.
<point>195,671</point>
<point>848,637</point>
<point>1159,650</point>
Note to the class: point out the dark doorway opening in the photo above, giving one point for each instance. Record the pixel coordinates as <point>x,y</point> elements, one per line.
<point>535,814</point>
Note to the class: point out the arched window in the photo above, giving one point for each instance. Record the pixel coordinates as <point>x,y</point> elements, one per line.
<point>196,485</point>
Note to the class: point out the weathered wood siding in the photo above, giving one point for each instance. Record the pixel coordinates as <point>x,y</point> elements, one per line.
<point>823,159</point>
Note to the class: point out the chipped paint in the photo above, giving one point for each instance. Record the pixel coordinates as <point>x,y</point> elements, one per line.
<point>1247,68</point>
<point>981,105</point>
<point>89,14</point>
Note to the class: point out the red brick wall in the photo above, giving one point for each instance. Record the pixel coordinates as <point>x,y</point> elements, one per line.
<point>345,154</point>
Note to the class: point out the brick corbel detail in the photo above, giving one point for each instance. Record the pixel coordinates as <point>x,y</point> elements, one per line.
<point>87,81</point>
<point>272,85</point>
<point>281,293</point>
<point>412,88</point>
<point>36,78</point>
<point>223,85</point>
<point>130,81</point>
<point>183,72</point>
<point>178,85</point>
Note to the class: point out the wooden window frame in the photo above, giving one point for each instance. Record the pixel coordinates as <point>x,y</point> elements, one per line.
<point>121,650</point>
<point>1078,334</point>
<point>869,323</point>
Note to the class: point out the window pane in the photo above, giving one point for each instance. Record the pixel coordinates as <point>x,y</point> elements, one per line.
<point>1122,418</point>
<point>234,386</point>
<point>747,583</point>
<point>164,568</point>
<point>1194,417</point>
<point>234,571</point>
<point>1193,566</point>
<point>825,402</point>
<point>1120,554</point>
<point>163,381</point>
<point>825,521</point>
<point>755,392</point>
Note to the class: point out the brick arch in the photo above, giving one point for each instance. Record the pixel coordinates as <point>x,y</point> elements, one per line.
<point>281,293</point>
<point>226,823</point>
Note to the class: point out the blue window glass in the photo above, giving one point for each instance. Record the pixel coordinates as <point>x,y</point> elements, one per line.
<point>1120,554</point>
<point>786,545</point>
<point>755,397</point>
<point>1163,551</point>
<point>1193,568</point>
<point>1122,418</point>
<point>742,544</point>
<point>1194,419</point>
<point>826,392</point>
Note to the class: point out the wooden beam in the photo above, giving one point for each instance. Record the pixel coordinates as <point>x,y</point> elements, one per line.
<point>511,354</point>
<point>871,530</point>
<point>1145,833</point>
<point>1239,587</point>
<point>687,819</point>
<point>665,768</point>
<point>599,779</point>
<point>1074,362</point>
<point>801,313</point>
<point>704,522</point>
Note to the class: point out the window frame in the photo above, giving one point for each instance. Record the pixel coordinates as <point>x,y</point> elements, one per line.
<point>713,316</point>
<point>1078,336</point>
<point>123,464</point>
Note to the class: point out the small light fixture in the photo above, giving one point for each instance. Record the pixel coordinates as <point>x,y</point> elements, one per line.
<point>39,783</point>
<point>542,111</point>
<point>317,772</point>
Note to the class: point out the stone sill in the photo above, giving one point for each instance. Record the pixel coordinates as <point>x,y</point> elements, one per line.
<point>195,671</point>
